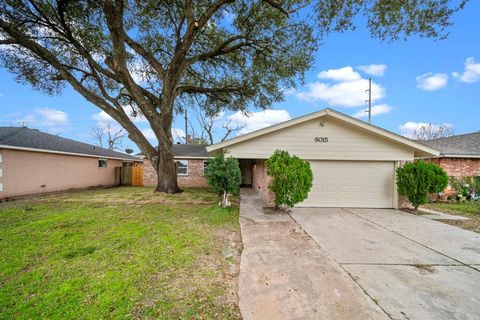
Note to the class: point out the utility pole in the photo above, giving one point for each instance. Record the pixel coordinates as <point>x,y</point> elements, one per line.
<point>186,127</point>
<point>369,100</point>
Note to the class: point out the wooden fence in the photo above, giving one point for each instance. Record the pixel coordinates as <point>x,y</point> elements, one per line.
<point>129,175</point>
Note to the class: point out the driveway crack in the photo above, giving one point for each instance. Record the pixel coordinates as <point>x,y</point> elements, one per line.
<point>403,236</point>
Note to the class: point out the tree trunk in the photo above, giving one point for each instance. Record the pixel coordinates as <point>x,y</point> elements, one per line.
<point>166,169</point>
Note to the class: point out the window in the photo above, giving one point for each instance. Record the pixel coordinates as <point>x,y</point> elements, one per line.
<point>205,165</point>
<point>102,163</point>
<point>182,167</point>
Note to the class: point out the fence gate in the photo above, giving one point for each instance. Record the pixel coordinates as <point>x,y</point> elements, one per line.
<point>130,175</point>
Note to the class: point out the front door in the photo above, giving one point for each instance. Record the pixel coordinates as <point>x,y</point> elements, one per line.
<point>246,169</point>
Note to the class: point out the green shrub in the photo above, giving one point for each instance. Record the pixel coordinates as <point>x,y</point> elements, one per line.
<point>417,179</point>
<point>291,178</point>
<point>465,187</point>
<point>439,179</point>
<point>224,176</point>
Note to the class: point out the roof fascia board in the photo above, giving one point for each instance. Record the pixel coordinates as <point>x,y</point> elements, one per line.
<point>2,146</point>
<point>335,114</point>
<point>259,132</point>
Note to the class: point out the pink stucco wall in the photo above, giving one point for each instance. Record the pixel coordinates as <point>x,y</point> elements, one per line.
<point>26,172</point>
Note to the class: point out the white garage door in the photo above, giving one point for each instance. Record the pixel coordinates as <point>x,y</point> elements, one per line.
<point>362,184</point>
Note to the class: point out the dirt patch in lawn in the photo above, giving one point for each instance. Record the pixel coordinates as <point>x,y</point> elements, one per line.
<point>472,224</point>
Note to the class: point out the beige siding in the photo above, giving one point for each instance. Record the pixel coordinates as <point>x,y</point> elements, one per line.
<point>26,172</point>
<point>366,184</point>
<point>344,143</point>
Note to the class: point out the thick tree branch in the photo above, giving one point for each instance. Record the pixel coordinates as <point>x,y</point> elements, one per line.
<point>197,89</point>
<point>51,59</point>
<point>149,57</point>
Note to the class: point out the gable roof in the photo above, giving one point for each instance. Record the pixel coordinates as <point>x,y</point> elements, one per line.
<point>462,145</point>
<point>189,151</point>
<point>21,138</point>
<point>420,149</point>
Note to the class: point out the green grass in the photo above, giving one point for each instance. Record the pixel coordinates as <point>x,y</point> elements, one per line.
<point>122,253</point>
<point>467,209</point>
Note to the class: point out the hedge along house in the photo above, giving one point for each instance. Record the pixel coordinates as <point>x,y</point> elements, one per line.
<point>33,162</point>
<point>191,160</point>
<point>353,162</point>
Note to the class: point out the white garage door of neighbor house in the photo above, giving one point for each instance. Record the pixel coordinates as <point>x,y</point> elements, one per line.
<point>360,184</point>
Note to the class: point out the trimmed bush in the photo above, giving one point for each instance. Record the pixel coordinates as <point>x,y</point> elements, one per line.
<point>417,179</point>
<point>224,176</point>
<point>292,178</point>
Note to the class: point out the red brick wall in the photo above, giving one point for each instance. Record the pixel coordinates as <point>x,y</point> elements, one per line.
<point>194,179</point>
<point>459,167</point>
<point>261,181</point>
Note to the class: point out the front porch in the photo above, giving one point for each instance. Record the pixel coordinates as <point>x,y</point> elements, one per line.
<point>255,178</point>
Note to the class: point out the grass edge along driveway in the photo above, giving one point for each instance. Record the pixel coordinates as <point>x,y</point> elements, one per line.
<point>119,253</point>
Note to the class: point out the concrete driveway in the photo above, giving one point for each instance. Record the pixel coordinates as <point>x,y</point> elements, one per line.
<point>410,266</point>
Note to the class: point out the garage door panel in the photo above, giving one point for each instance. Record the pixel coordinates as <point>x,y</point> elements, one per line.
<point>351,184</point>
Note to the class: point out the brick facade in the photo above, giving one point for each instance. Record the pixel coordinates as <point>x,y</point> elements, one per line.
<point>459,167</point>
<point>194,178</point>
<point>260,182</point>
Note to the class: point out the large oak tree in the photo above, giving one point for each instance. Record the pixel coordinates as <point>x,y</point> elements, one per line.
<point>150,58</point>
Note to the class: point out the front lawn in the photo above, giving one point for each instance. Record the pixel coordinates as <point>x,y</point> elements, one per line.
<point>119,253</point>
<point>467,209</point>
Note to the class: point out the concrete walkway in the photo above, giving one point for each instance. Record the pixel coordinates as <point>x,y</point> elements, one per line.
<point>284,274</point>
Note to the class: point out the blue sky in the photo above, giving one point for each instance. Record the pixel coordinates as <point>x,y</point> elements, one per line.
<point>415,81</point>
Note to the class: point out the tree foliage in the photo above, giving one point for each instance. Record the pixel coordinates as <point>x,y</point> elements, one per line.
<point>291,178</point>
<point>430,131</point>
<point>224,176</point>
<point>416,180</point>
<point>153,58</point>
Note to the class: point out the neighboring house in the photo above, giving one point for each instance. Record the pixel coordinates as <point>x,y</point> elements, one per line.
<point>191,160</point>
<point>459,155</point>
<point>353,162</point>
<point>33,162</point>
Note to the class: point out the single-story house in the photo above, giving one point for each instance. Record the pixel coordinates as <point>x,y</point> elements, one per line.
<point>191,160</point>
<point>353,162</point>
<point>33,162</point>
<point>459,154</point>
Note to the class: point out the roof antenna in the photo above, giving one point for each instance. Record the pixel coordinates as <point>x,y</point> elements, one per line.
<point>369,90</point>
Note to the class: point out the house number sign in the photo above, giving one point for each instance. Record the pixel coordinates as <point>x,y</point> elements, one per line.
<point>321,139</point>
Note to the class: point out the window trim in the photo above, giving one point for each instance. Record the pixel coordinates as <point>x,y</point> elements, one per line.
<point>106,163</point>
<point>176,166</point>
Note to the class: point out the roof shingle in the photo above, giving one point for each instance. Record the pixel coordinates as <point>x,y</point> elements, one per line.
<point>22,137</point>
<point>463,144</point>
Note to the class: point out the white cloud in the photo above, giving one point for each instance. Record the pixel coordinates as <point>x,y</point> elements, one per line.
<point>51,117</point>
<point>102,117</point>
<point>289,91</point>
<point>432,82</point>
<point>471,73</point>
<point>347,90</point>
<point>373,69</point>
<point>344,94</point>
<point>257,120</point>
<point>342,74</point>
<point>47,119</point>
<point>177,133</point>
<point>376,110</point>
<point>411,126</point>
